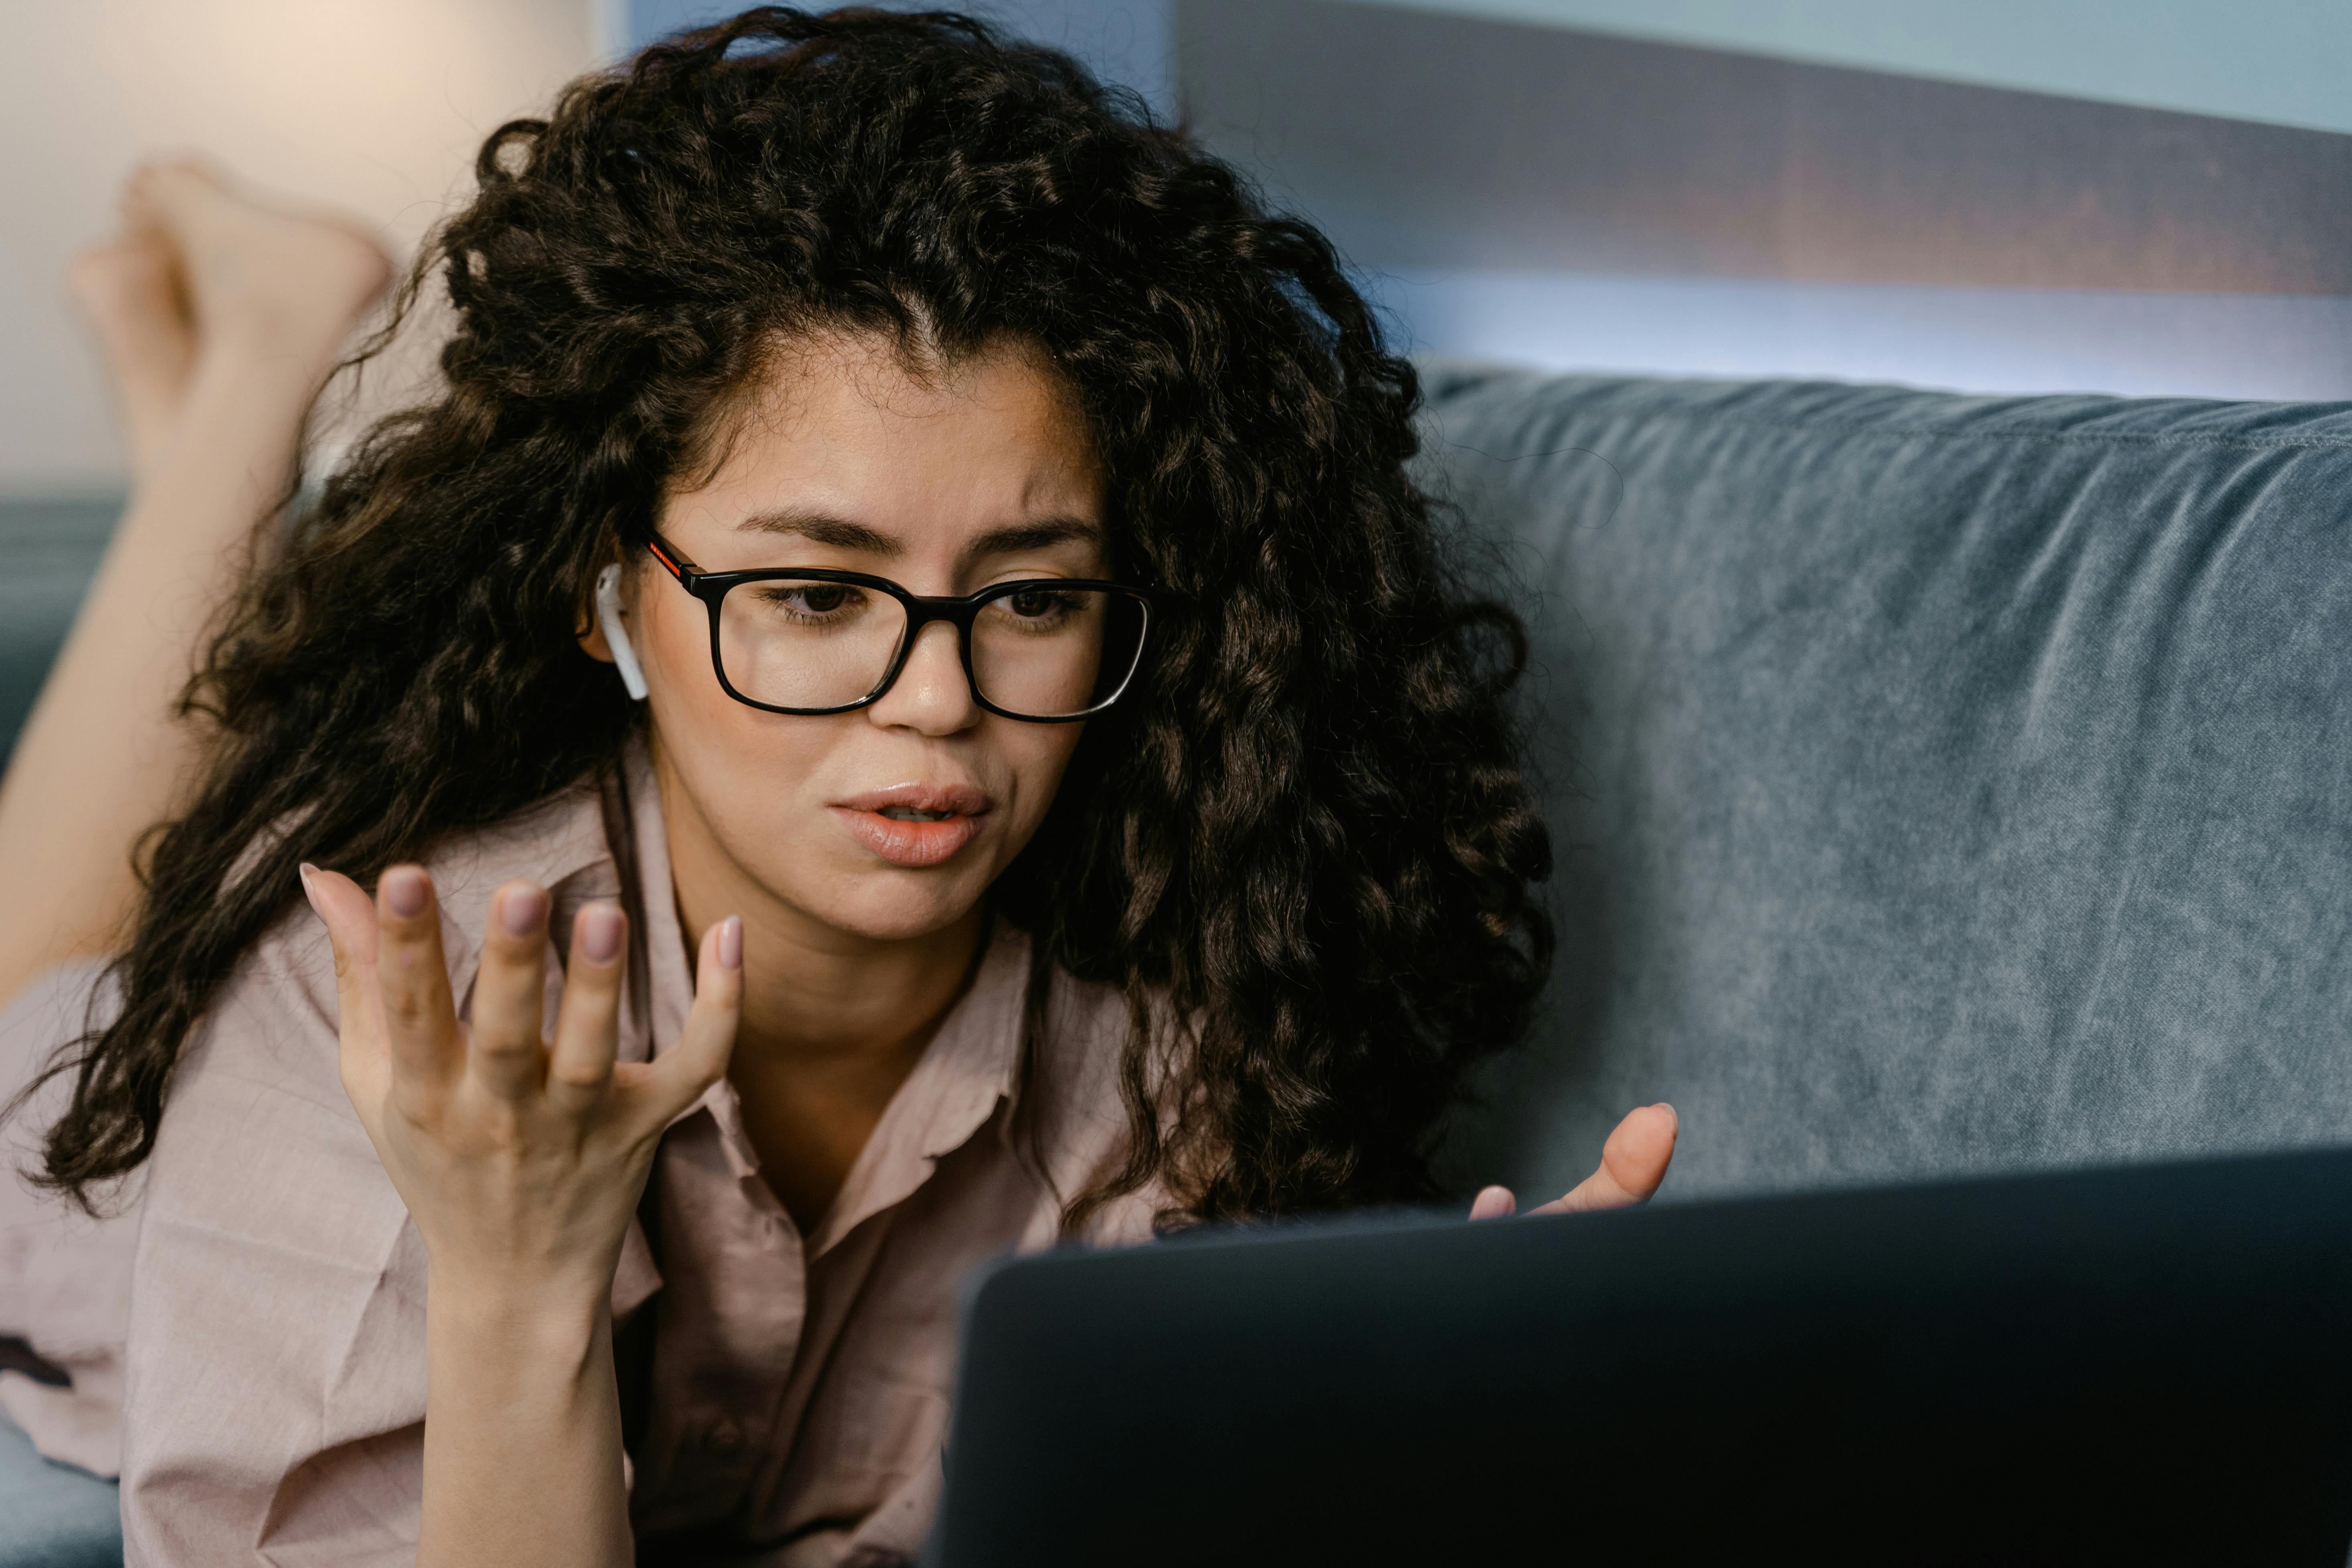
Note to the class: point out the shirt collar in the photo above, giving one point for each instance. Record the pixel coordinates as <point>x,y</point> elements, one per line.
<point>962,1076</point>
<point>967,1071</point>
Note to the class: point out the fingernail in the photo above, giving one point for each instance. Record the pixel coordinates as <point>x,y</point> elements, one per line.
<point>730,943</point>
<point>600,933</point>
<point>403,890</point>
<point>521,910</point>
<point>309,894</point>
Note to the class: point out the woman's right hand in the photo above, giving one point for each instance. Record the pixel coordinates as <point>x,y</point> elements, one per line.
<point>521,1157</point>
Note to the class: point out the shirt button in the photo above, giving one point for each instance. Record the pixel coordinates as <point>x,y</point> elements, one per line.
<point>726,1435</point>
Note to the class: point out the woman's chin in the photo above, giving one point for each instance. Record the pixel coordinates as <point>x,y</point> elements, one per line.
<point>885,904</point>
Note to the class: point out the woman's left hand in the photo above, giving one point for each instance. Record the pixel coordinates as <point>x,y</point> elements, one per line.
<point>1632,1162</point>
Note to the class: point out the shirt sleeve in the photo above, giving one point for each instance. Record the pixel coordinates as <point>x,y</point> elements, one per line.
<point>274,1387</point>
<point>65,1275</point>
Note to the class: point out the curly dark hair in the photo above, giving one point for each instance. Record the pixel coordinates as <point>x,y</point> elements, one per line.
<point>1303,853</point>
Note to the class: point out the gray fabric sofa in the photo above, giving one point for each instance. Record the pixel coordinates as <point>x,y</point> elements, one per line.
<point>1940,783</point>
<point>48,548</point>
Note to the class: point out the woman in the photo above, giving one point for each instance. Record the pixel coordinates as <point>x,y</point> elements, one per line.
<point>904,524</point>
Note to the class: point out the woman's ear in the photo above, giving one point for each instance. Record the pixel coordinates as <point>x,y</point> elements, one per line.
<point>592,639</point>
<point>606,639</point>
<point>588,629</point>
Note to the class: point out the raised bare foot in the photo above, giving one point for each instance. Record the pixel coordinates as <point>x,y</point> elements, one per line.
<point>132,290</point>
<point>261,277</point>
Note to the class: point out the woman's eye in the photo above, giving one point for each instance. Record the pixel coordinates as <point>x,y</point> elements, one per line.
<point>812,598</point>
<point>1032,603</point>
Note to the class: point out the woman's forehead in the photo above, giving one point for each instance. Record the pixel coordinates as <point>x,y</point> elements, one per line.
<point>849,447</point>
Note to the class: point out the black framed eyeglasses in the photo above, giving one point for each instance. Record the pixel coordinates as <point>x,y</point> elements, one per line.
<point>812,641</point>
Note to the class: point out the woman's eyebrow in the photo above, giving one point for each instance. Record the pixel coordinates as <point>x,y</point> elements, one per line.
<point>819,529</point>
<point>1040,534</point>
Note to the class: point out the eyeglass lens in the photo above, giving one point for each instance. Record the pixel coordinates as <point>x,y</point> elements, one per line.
<point>1038,652</point>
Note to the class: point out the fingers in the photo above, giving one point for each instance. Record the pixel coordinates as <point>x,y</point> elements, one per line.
<point>588,1022</point>
<point>697,1059</point>
<point>1632,1162</point>
<point>413,976</point>
<point>504,1046</point>
<point>349,915</point>
<point>1494,1202</point>
<point>392,984</point>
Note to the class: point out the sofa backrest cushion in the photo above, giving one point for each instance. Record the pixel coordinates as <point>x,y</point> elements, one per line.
<point>48,551</point>
<point>1939,784</point>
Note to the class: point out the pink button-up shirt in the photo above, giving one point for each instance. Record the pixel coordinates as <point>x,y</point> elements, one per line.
<point>257,1313</point>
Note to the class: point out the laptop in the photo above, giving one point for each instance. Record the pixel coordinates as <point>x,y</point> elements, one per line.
<point>2140,1365</point>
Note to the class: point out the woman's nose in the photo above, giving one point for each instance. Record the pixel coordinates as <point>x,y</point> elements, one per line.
<point>933,694</point>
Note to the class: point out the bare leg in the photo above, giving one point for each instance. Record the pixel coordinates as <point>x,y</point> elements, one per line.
<point>271,295</point>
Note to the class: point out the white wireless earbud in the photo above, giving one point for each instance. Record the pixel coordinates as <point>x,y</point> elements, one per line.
<point>608,620</point>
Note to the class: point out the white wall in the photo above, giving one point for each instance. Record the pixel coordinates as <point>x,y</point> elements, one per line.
<point>376,106</point>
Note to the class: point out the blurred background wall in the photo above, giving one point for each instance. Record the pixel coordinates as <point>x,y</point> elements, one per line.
<point>374,106</point>
<point>2131,196</point>
<point>2140,196</point>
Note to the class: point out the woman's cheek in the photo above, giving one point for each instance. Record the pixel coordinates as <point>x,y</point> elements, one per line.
<point>1042,756</point>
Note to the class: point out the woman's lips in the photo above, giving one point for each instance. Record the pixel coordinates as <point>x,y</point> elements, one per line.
<point>914,843</point>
